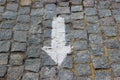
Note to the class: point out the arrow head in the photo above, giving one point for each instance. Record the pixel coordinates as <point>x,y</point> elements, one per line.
<point>57,54</point>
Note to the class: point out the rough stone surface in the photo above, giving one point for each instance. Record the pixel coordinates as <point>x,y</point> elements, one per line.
<point>95,39</point>
<point>48,73</point>
<point>5,34</point>
<point>32,65</point>
<point>80,34</point>
<point>4,46</point>
<point>92,29</point>
<point>22,27</point>
<point>110,31</point>
<point>33,52</point>
<point>9,15</point>
<point>20,36</point>
<point>103,75</point>
<point>97,50</point>
<point>16,59</point>
<point>68,62</point>
<point>116,69</point>
<point>3,58</point>
<point>76,8</point>
<point>23,18</point>
<point>65,75</point>
<point>12,7</point>
<point>30,76</point>
<point>18,46</point>
<point>15,73</point>
<point>112,44</point>
<point>100,63</point>
<point>80,45</point>
<point>83,70</point>
<point>90,11</point>
<point>82,57</point>
<point>7,24</point>
<point>114,55</point>
<point>3,70</point>
<point>76,16</point>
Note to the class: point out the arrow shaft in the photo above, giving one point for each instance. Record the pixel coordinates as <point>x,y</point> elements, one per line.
<point>58,33</point>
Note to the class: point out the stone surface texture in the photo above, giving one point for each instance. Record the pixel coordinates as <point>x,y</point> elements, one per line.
<point>92,29</point>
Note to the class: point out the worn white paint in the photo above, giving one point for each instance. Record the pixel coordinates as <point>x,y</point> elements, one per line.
<point>58,50</point>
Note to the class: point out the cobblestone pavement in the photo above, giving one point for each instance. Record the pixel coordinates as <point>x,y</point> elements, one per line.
<point>92,28</point>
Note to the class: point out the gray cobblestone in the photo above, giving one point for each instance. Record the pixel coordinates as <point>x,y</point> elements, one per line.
<point>68,62</point>
<point>15,73</point>
<point>3,70</point>
<point>116,69</point>
<point>117,18</point>
<point>109,21</point>
<point>76,16</point>
<point>76,1</point>
<point>20,36</point>
<point>94,28</point>
<point>35,29</point>
<point>82,57</point>
<point>30,76</point>
<point>83,78</point>
<point>103,75</point>
<point>47,61</point>
<point>114,55</point>
<point>50,7</point>
<point>103,4</point>
<point>88,3</point>
<point>32,65</point>
<point>16,46</point>
<point>33,52</point>
<point>104,13</point>
<point>4,46</point>
<point>48,73</point>
<point>34,40</point>
<point>63,4</point>
<point>7,24</point>
<point>78,24</point>
<point>101,63</point>
<point>3,58</point>
<point>83,70</point>
<point>12,7</point>
<point>50,14</point>
<point>110,31</point>
<point>22,27</point>
<point>16,59</point>
<point>2,2</point>
<point>23,18</point>
<point>90,11</point>
<point>24,10</point>
<point>5,34</point>
<point>36,12</point>
<point>80,45</point>
<point>66,75</point>
<point>76,8</point>
<point>80,34</point>
<point>95,39</point>
<point>9,15</point>
<point>112,44</point>
<point>92,19</point>
<point>2,9</point>
<point>67,18</point>
<point>62,10</point>
<point>97,50</point>
<point>36,20</point>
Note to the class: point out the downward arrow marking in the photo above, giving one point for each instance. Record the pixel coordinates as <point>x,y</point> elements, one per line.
<point>58,50</point>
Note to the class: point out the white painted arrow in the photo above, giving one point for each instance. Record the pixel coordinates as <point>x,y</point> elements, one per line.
<point>58,50</point>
